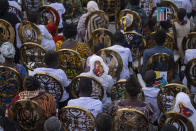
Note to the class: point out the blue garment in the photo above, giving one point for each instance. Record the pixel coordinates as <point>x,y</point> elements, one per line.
<point>157,49</point>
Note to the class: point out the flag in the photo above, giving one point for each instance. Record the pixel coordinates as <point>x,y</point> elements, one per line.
<point>161,14</point>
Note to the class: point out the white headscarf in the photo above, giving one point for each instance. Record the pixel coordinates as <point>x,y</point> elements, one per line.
<point>92,6</point>
<point>7,50</point>
<point>182,99</point>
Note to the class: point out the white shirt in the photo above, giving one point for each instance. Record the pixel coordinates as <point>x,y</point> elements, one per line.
<point>47,41</point>
<point>60,75</point>
<point>150,94</point>
<point>189,54</point>
<point>93,105</point>
<point>15,4</point>
<point>61,10</point>
<point>126,56</point>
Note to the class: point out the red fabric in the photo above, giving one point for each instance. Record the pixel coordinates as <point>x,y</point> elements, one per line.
<point>58,38</point>
<point>51,26</point>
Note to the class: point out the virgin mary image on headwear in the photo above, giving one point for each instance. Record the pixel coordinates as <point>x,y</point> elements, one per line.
<point>184,110</point>
<point>98,69</point>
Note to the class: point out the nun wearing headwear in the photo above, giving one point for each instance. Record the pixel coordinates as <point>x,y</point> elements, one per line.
<point>183,105</point>
<point>99,70</point>
<point>81,30</point>
<point>7,54</point>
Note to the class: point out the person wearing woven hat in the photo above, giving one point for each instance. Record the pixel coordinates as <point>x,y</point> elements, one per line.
<point>7,54</point>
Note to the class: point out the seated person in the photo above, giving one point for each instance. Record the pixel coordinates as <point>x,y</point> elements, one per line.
<point>52,63</point>
<point>99,70</point>
<point>32,92</point>
<point>7,54</point>
<point>85,100</point>
<point>184,106</point>
<point>60,9</point>
<point>132,101</point>
<point>5,123</point>
<point>52,124</point>
<point>47,41</point>
<point>150,92</point>
<point>159,37</point>
<point>124,52</point>
<point>103,122</point>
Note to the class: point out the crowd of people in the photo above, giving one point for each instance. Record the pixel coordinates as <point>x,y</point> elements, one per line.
<point>75,36</point>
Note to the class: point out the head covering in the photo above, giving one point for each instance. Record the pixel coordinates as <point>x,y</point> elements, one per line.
<point>183,105</point>
<point>52,28</point>
<point>126,21</point>
<point>92,6</point>
<point>52,124</point>
<point>7,50</point>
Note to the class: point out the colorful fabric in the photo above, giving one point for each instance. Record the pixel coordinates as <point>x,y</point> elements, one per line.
<point>82,48</point>
<point>161,14</point>
<point>21,70</point>
<point>52,28</point>
<point>126,21</point>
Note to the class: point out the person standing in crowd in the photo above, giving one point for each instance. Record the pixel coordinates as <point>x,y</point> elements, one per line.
<point>181,28</point>
<point>85,100</point>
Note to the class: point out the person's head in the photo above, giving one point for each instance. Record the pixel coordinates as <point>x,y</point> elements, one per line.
<point>119,38</point>
<point>181,14</point>
<point>7,51</point>
<point>98,47</point>
<point>166,24</point>
<point>132,86</point>
<point>4,6</point>
<point>92,6</point>
<point>169,128</point>
<point>134,2</point>
<point>51,59</point>
<point>34,17</point>
<point>70,31</point>
<point>149,78</point>
<point>126,22</point>
<point>160,37</point>
<point>52,124</point>
<point>31,84</point>
<point>103,122</point>
<point>85,87</point>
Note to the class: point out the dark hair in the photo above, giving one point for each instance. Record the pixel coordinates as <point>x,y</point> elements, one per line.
<point>134,2</point>
<point>119,38</point>
<point>169,128</point>
<point>85,86</point>
<point>34,17</point>
<point>5,123</point>
<point>70,31</point>
<point>4,7</point>
<point>51,59</point>
<point>132,86</point>
<point>149,78</point>
<point>165,24</point>
<point>160,37</point>
<point>31,83</point>
<point>103,122</point>
<point>181,13</point>
<point>98,47</point>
